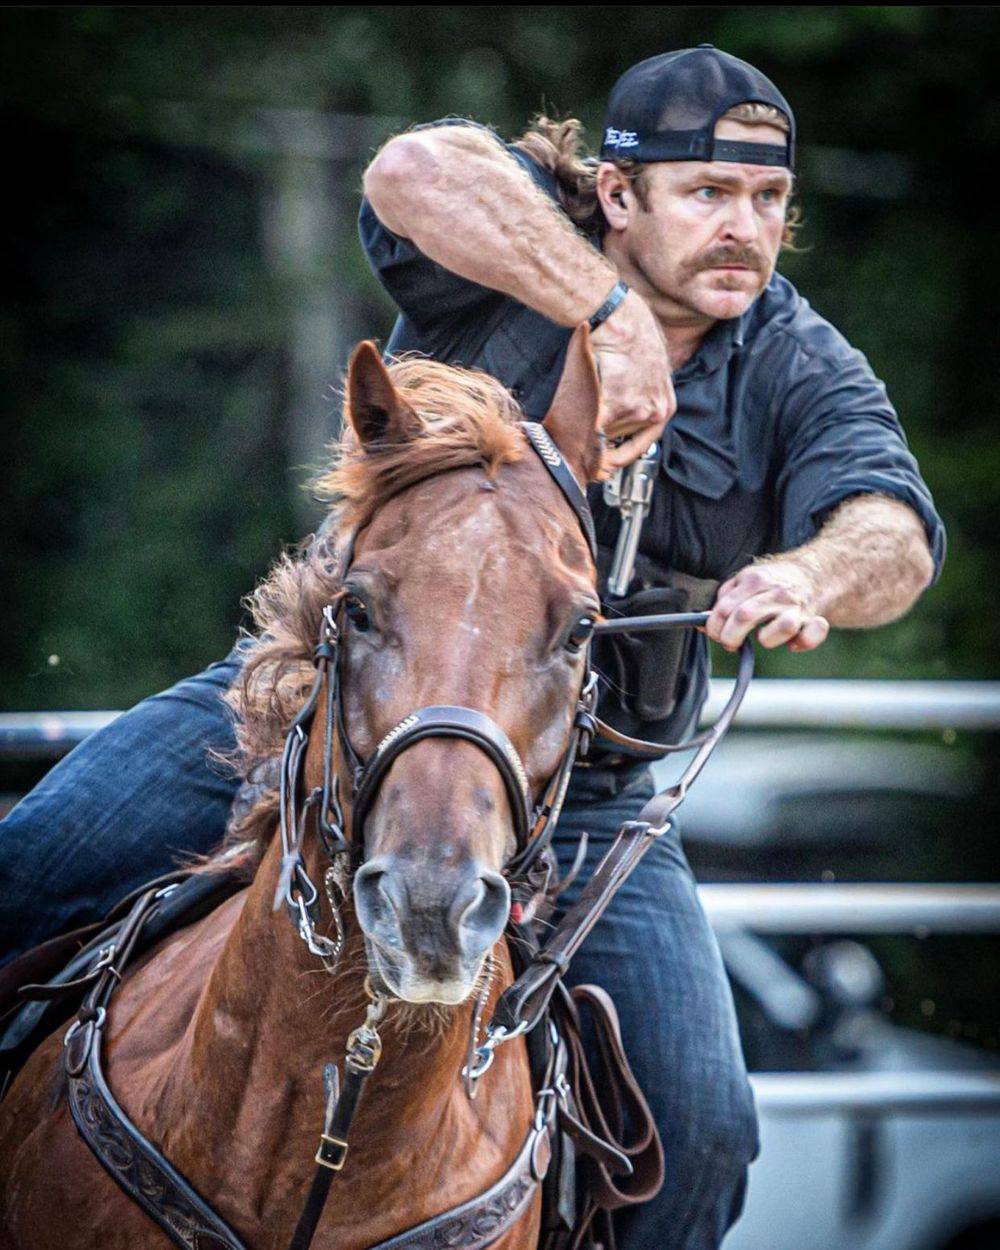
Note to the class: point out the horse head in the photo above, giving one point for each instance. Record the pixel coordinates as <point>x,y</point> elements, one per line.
<point>467,582</point>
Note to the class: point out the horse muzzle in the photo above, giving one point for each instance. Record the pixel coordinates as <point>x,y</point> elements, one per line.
<point>429,931</point>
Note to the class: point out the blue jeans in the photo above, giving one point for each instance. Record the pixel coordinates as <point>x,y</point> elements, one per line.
<point>117,811</point>
<point>120,808</point>
<point>654,952</point>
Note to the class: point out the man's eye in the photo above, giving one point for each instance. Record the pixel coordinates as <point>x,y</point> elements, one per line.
<point>707,193</point>
<point>356,611</point>
<point>769,196</point>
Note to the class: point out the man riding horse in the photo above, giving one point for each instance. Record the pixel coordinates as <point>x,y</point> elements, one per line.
<point>785,499</point>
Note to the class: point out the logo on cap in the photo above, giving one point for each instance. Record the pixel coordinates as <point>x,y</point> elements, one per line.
<point>615,138</point>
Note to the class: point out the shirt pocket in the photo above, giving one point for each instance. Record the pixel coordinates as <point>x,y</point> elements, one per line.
<point>709,521</point>
<point>698,453</point>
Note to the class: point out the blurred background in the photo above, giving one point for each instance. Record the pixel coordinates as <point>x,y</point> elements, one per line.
<point>183,285</point>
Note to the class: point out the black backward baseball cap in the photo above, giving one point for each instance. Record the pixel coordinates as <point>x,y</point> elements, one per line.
<point>666,108</point>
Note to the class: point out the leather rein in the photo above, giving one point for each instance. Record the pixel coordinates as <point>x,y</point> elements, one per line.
<point>136,1164</point>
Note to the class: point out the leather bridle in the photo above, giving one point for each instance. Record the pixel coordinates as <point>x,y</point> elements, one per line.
<point>529,870</point>
<point>534,823</point>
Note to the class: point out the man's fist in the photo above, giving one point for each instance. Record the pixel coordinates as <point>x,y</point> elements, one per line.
<point>636,389</point>
<point>778,595</point>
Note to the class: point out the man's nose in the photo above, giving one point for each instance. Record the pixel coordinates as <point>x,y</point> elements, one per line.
<point>741,220</point>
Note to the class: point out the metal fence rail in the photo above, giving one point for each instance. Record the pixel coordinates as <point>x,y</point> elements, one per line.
<point>789,703</point>
<point>836,908</point>
<point>880,1093</point>
<point>47,735</point>
<point>773,703</point>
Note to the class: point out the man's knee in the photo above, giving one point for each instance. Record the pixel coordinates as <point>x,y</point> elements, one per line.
<point>117,811</point>
<point>709,1140</point>
<point>712,1135</point>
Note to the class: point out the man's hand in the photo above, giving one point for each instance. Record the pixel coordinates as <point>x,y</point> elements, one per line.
<point>779,595</point>
<point>636,388</point>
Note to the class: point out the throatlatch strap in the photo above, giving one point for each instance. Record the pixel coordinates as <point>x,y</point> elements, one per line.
<point>562,475</point>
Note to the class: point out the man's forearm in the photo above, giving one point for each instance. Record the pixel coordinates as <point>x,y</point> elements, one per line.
<point>869,562</point>
<point>866,566</point>
<point>467,204</point>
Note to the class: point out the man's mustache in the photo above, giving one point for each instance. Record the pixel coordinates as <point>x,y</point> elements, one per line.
<point>719,256</point>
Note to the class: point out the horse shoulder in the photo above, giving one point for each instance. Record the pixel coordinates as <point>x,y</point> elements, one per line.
<point>55,1194</point>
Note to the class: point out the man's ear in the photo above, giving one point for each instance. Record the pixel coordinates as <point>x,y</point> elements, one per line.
<point>376,412</point>
<point>572,420</point>
<point>615,195</point>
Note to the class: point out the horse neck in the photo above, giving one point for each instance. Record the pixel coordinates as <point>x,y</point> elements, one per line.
<point>271,1016</point>
<point>243,1096</point>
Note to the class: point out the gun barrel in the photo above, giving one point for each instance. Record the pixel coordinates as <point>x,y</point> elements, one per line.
<point>632,493</point>
<point>627,546</point>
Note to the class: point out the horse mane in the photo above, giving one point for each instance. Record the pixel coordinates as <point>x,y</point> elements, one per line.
<point>467,419</point>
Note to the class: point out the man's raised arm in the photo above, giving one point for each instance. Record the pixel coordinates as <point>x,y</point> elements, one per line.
<point>459,196</point>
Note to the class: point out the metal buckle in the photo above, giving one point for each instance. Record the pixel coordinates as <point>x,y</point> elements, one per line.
<point>78,1024</point>
<point>332,1152</point>
<point>545,1109</point>
<point>485,1053</point>
<point>588,695</point>
<point>330,627</point>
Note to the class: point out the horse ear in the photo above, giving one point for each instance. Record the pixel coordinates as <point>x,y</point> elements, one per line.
<point>576,405</point>
<point>374,408</point>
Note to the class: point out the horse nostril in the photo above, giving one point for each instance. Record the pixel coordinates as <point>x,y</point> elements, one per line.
<point>482,917</point>
<point>458,914</point>
<point>373,899</point>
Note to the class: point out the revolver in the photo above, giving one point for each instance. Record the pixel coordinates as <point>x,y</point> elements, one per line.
<point>630,490</point>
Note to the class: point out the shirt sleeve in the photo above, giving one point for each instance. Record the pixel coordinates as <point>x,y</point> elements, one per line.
<point>843,438</point>
<point>424,291</point>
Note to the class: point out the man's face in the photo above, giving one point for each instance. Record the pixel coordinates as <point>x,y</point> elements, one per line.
<point>704,237</point>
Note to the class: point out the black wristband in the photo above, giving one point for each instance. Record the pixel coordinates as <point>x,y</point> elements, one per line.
<point>615,297</point>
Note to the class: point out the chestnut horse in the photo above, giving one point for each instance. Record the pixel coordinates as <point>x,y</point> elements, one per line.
<point>469,570</point>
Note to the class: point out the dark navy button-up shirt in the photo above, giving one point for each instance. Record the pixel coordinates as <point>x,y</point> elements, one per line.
<point>778,420</point>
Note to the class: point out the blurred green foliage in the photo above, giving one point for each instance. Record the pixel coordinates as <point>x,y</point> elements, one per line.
<point>151,313</point>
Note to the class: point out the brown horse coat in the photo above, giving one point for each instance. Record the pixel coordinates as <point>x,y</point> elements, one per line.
<point>217,1039</point>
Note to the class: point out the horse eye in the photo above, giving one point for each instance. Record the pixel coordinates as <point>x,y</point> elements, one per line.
<point>356,611</point>
<point>580,634</point>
